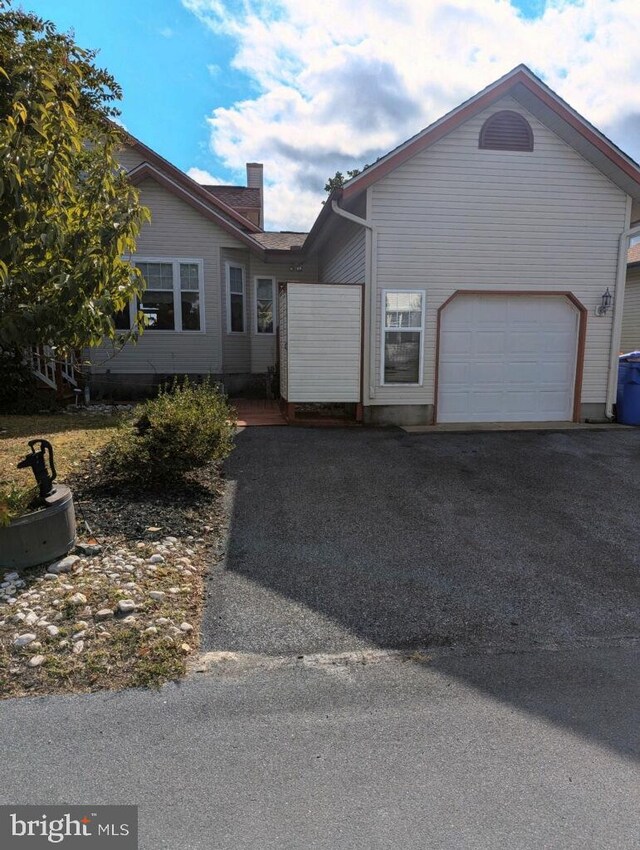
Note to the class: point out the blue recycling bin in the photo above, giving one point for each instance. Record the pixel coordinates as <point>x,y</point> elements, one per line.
<point>628,397</point>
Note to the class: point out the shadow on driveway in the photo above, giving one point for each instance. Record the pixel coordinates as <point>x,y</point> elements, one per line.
<point>349,539</point>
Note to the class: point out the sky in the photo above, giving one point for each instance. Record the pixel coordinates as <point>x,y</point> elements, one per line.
<point>309,87</point>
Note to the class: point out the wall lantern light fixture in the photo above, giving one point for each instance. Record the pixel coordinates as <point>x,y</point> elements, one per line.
<point>605,303</point>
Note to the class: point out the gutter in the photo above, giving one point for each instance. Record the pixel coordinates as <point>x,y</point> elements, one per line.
<point>618,308</point>
<point>371,277</point>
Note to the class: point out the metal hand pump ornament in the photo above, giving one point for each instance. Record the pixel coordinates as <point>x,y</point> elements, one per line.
<point>36,460</point>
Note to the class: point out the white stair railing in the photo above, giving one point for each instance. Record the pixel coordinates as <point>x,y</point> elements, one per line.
<point>45,366</point>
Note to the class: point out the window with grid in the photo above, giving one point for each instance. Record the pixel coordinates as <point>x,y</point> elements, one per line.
<point>265,305</point>
<point>235,299</point>
<point>402,336</point>
<point>172,300</point>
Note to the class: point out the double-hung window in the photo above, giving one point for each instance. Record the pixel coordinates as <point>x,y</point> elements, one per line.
<point>235,299</point>
<point>402,336</point>
<point>173,297</point>
<point>265,305</point>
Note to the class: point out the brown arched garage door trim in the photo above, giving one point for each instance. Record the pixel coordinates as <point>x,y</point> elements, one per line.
<point>582,335</point>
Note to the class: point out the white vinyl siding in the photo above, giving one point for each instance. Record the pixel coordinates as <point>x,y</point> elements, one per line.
<point>342,255</point>
<point>176,230</point>
<point>456,217</point>
<point>322,343</point>
<point>129,158</point>
<point>630,340</point>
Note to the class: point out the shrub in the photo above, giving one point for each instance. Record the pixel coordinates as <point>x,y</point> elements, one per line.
<point>18,386</point>
<point>15,500</point>
<point>186,426</point>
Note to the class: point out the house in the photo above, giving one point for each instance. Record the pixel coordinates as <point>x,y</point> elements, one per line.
<point>211,273</point>
<point>481,250</point>
<point>630,340</point>
<point>485,245</point>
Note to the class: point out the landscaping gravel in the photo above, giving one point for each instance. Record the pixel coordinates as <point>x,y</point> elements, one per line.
<point>116,612</point>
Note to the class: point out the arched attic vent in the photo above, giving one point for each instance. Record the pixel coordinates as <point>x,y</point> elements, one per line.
<point>506,131</point>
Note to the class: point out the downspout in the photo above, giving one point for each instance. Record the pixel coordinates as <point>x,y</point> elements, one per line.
<point>618,308</point>
<point>370,284</point>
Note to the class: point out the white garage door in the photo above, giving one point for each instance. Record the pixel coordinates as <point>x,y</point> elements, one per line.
<point>507,359</point>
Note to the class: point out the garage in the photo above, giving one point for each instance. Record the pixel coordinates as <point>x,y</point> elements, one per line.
<point>508,357</point>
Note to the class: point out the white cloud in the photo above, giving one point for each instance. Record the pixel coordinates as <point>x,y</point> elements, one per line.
<point>340,82</point>
<point>204,177</point>
<point>166,32</point>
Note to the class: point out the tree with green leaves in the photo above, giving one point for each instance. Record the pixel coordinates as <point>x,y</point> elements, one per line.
<point>338,180</point>
<point>68,216</point>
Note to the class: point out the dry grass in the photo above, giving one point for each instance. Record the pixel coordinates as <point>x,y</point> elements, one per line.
<point>73,438</point>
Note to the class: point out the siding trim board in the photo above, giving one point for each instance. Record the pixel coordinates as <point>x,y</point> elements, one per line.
<point>582,335</point>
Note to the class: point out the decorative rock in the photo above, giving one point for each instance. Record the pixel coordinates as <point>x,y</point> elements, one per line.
<point>186,627</point>
<point>185,647</point>
<point>50,576</point>
<point>78,635</point>
<point>158,595</point>
<point>63,644</point>
<point>170,539</point>
<point>53,631</point>
<point>80,625</point>
<point>130,620</point>
<point>78,647</point>
<point>103,614</point>
<point>11,576</point>
<point>63,566</point>
<point>163,621</point>
<point>25,639</point>
<point>31,619</point>
<point>19,617</point>
<point>154,529</point>
<point>152,630</point>
<point>156,559</point>
<point>126,606</point>
<point>89,549</point>
<point>36,660</point>
<point>78,599</point>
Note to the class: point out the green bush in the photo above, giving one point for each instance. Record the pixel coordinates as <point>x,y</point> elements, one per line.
<point>18,385</point>
<point>15,500</point>
<point>186,426</point>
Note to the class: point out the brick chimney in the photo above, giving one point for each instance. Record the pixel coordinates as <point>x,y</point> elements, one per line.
<point>255,181</point>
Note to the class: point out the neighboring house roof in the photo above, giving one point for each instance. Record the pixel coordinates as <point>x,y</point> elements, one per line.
<point>236,196</point>
<point>633,255</point>
<point>523,85</point>
<point>282,240</point>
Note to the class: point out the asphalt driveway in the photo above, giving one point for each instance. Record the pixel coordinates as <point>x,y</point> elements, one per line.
<point>346,539</point>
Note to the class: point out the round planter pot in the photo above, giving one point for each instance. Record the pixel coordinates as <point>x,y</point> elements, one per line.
<point>41,536</point>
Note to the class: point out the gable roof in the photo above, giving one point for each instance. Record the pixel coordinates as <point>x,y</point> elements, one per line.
<point>522,84</point>
<point>204,206</point>
<point>175,174</point>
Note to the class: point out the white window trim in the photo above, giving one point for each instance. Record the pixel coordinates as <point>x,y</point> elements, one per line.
<point>255,304</point>
<point>384,329</point>
<point>177,307</point>
<point>229,264</point>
